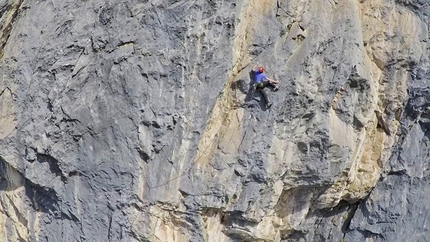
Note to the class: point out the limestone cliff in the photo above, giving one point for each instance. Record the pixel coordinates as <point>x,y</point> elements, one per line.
<point>132,120</point>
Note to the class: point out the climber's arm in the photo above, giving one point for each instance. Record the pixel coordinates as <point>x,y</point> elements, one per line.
<point>272,80</point>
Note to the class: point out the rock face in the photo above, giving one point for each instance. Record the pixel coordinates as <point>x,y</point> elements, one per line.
<point>133,120</point>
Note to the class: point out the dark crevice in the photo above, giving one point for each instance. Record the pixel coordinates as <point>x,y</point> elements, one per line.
<point>70,216</point>
<point>183,193</point>
<point>350,215</point>
<point>308,116</point>
<point>74,173</point>
<point>382,124</point>
<point>143,155</point>
<point>52,162</point>
<point>237,173</point>
<point>397,173</point>
<point>68,118</point>
<point>49,106</point>
<point>110,228</point>
<point>356,123</point>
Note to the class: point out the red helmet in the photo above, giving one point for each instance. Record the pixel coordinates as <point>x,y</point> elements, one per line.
<point>261,69</point>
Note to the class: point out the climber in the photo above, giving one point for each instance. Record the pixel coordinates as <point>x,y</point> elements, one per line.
<point>261,81</point>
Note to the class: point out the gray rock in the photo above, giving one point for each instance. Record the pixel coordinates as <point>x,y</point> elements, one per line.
<point>134,120</point>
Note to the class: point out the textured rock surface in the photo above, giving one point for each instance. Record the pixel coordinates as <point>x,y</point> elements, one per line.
<point>132,121</point>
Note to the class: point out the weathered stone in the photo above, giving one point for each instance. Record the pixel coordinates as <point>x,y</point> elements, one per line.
<point>136,121</point>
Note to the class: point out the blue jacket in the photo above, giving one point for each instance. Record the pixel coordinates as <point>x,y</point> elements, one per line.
<point>259,77</point>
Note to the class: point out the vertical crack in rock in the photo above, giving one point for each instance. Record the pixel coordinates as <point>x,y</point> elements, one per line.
<point>350,215</point>
<point>8,15</point>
